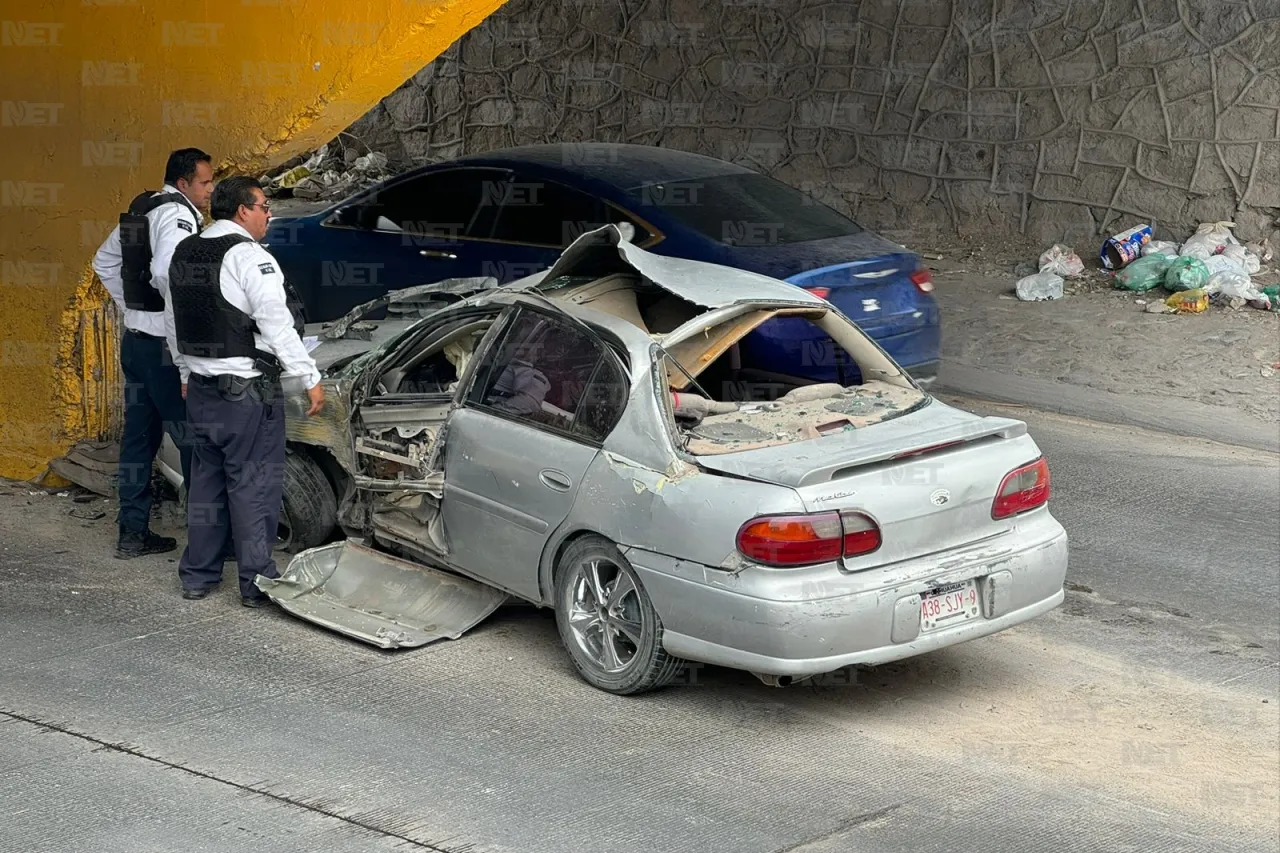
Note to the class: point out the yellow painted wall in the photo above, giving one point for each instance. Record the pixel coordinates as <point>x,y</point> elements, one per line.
<point>96,93</point>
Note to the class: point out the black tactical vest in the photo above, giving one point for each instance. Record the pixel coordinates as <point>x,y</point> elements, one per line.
<point>205,323</point>
<point>136,252</point>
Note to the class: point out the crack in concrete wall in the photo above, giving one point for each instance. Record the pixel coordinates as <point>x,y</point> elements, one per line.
<point>1060,119</point>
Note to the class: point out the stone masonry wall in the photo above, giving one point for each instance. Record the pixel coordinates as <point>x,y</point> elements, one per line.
<point>1059,119</point>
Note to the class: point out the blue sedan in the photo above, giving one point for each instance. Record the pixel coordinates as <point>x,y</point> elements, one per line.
<point>510,213</point>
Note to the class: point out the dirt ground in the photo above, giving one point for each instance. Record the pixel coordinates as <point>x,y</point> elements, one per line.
<point>1101,337</point>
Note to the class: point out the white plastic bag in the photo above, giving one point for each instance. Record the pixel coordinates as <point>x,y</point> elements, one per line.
<point>1248,261</point>
<point>1042,285</point>
<point>1219,232</point>
<point>1163,247</point>
<point>1233,284</point>
<point>1199,246</point>
<point>1060,260</point>
<point>1222,263</point>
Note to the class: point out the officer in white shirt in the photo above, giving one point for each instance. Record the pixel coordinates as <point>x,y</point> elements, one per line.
<point>133,264</point>
<point>238,329</point>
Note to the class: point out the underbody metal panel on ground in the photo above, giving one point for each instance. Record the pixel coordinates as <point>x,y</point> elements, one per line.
<point>378,598</point>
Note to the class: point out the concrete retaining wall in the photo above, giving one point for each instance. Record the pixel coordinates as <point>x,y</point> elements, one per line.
<point>1055,118</point>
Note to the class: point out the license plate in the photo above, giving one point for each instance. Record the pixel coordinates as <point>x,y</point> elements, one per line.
<point>949,605</point>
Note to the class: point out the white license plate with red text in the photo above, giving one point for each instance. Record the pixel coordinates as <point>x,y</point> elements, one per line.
<point>949,605</point>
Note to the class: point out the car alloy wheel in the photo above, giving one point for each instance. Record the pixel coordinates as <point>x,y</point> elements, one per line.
<point>605,615</point>
<point>607,622</point>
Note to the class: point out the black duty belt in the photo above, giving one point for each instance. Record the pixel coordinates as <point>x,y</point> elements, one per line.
<point>143,335</point>
<point>230,387</point>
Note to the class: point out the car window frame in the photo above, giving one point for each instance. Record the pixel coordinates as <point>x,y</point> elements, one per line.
<point>483,369</point>
<point>653,237</point>
<point>330,221</point>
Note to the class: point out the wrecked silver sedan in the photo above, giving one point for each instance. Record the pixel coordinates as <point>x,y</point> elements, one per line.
<point>593,439</point>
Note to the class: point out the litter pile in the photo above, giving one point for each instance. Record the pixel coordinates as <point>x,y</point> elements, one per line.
<point>327,173</point>
<point>1210,266</point>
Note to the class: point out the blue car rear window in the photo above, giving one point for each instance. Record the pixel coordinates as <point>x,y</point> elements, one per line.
<point>745,210</point>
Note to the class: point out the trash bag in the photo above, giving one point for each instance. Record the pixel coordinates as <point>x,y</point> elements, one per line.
<point>1199,247</point>
<point>1247,259</point>
<point>1042,285</point>
<point>1186,273</point>
<point>1232,284</point>
<point>1144,273</point>
<point>1188,301</point>
<point>1161,247</point>
<point>1219,232</point>
<point>1061,260</point>
<point>1222,263</point>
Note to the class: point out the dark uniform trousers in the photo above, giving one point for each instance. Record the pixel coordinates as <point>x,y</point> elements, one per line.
<point>153,405</point>
<point>237,479</point>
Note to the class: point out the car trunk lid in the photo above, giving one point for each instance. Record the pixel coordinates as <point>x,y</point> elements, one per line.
<point>928,478</point>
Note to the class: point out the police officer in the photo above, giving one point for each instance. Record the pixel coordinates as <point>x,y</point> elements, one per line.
<point>133,264</point>
<point>238,330</point>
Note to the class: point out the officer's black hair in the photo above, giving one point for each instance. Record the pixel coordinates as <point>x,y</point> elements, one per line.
<point>229,194</point>
<point>182,164</point>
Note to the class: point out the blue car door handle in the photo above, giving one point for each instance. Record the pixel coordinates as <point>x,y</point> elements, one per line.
<point>555,480</point>
<point>436,253</point>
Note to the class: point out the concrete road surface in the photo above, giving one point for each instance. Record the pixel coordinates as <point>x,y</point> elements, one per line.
<point>1141,716</point>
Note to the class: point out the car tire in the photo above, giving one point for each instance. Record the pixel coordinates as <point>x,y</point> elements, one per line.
<point>310,507</point>
<point>637,663</point>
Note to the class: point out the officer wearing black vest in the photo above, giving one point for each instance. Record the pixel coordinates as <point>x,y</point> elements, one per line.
<point>239,328</point>
<point>133,264</point>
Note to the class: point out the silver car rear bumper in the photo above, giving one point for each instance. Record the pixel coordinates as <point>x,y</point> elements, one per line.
<point>785,635</point>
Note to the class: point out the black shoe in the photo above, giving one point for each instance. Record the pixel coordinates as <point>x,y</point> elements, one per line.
<point>254,602</point>
<point>132,545</point>
<point>194,594</point>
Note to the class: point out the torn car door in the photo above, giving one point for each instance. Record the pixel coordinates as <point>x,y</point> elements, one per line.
<point>519,447</point>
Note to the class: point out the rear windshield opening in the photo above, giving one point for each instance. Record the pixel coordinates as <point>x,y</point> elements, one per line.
<point>744,398</point>
<point>746,209</point>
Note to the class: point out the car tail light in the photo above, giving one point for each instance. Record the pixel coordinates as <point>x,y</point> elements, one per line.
<point>861,534</point>
<point>1022,489</point>
<point>820,292</point>
<point>802,540</point>
<point>923,280</point>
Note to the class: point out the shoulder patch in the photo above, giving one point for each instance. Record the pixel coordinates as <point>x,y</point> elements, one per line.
<point>266,268</point>
<point>186,226</point>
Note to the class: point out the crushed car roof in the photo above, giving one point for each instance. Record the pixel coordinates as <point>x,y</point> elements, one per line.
<point>606,250</point>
